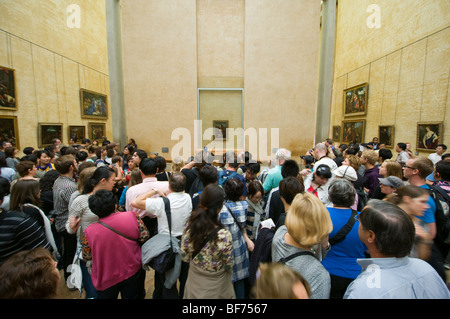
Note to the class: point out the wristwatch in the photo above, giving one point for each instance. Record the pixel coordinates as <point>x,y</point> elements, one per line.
<point>156,190</point>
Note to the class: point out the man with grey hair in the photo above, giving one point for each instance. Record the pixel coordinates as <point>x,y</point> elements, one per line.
<point>274,176</point>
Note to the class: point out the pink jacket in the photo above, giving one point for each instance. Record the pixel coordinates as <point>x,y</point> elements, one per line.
<point>114,257</point>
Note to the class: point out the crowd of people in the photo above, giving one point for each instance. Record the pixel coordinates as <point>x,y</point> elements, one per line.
<point>341,223</point>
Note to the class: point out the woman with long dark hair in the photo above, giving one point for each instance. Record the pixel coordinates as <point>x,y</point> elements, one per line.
<point>80,217</point>
<point>208,248</point>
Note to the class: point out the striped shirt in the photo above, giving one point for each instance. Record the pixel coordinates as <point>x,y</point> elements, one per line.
<point>19,232</point>
<point>62,190</point>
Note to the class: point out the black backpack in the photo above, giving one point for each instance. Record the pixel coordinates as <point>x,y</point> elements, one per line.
<point>442,214</point>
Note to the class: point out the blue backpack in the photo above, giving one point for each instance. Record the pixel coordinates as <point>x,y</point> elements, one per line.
<point>224,176</point>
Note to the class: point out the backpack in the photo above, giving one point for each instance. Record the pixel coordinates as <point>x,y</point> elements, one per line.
<point>442,214</point>
<point>224,176</point>
<point>363,198</point>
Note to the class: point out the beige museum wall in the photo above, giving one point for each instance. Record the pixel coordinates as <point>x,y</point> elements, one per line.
<point>267,47</point>
<point>52,62</point>
<point>406,63</point>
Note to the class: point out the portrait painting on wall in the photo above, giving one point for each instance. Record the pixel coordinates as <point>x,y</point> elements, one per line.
<point>220,130</point>
<point>79,132</point>
<point>336,133</point>
<point>97,131</point>
<point>8,99</point>
<point>386,135</point>
<point>353,131</point>
<point>47,132</point>
<point>93,105</point>
<point>355,100</point>
<point>429,135</point>
<point>9,131</point>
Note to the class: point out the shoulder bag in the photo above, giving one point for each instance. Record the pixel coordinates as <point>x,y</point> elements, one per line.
<point>166,260</point>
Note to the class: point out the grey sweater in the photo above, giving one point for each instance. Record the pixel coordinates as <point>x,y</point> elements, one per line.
<point>308,266</point>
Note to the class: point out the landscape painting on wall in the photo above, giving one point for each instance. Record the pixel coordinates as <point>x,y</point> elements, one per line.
<point>429,135</point>
<point>353,131</point>
<point>47,132</point>
<point>9,131</point>
<point>93,105</point>
<point>8,99</point>
<point>355,100</point>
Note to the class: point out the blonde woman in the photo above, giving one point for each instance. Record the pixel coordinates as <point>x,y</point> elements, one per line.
<point>303,241</point>
<point>278,281</point>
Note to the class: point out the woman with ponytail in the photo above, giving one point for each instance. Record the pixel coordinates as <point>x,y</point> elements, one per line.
<point>413,200</point>
<point>208,248</point>
<point>81,215</point>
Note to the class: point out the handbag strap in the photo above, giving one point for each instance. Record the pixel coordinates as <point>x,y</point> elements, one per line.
<point>235,219</point>
<point>342,233</point>
<point>300,253</point>
<point>169,217</point>
<point>116,231</point>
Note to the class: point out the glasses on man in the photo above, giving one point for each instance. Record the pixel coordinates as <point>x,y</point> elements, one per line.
<point>410,167</point>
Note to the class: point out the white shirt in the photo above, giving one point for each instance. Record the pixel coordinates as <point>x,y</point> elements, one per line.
<point>180,208</point>
<point>434,157</point>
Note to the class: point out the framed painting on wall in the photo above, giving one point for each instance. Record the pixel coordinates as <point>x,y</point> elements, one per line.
<point>93,105</point>
<point>386,135</point>
<point>355,100</point>
<point>79,132</point>
<point>336,133</point>
<point>97,131</point>
<point>9,131</point>
<point>429,135</point>
<point>220,130</point>
<point>353,131</point>
<point>47,132</point>
<point>8,99</point>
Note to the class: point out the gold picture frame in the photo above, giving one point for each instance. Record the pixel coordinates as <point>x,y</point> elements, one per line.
<point>97,131</point>
<point>9,130</point>
<point>47,132</point>
<point>355,100</point>
<point>386,135</point>
<point>429,135</point>
<point>8,91</point>
<point>93,105</point>
<point>353,131</point>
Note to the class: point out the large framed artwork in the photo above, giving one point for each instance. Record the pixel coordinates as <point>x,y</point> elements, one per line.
<point>336,133</point>
<point>8,130</point>
<point>8,98</point>
<point>97,131</point>
<point>79,132</point>
<point>220,130</point>
<point>386,135</point>
<point>429,135</point>
<point>47,132</point>
<point>355,100</point>
<point>353,131</point>
<point>93,105</point>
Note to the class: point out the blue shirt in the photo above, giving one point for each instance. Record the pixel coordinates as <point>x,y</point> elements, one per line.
<point>341,259</point>
<point>397,278</point>
<point>429,215</point>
